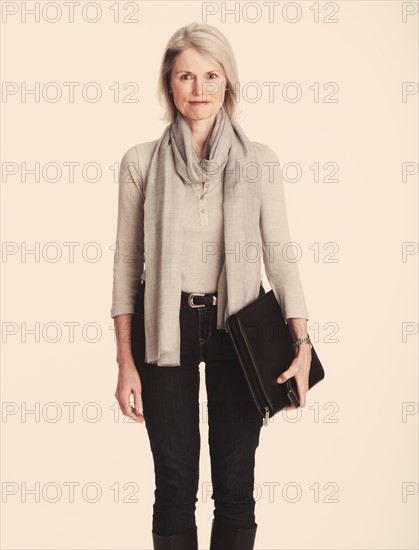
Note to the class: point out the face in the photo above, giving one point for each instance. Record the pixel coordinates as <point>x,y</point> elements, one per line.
<point>198,84</point>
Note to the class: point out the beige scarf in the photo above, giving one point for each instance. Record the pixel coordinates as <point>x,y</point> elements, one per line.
<point>175,164</point>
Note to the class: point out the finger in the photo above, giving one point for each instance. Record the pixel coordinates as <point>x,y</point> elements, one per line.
<point>138,405</point>
<point>286,375</point>
<point>128,410</point>
<point>290,408</point>
<point>302,394</point>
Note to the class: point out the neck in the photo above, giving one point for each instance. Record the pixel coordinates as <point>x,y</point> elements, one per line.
<point>200,130</point>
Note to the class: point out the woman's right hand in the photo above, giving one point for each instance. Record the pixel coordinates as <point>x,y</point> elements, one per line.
<point>128,377</point>
<point>129,382</point>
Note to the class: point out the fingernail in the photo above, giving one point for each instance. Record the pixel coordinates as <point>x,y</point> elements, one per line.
<point>279,380</point>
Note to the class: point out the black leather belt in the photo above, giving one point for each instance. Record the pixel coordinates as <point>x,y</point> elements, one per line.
<point>198,299</point>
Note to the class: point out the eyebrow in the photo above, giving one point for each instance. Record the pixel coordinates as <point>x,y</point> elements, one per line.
<point>211,71</point>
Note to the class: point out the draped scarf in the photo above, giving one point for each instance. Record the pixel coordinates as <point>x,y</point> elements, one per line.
<point>175,164</point>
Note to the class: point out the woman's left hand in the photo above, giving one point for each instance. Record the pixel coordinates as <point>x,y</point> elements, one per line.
<point>299,368</point>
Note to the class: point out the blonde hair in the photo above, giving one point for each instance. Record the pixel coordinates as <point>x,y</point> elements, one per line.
<point>207,40</point>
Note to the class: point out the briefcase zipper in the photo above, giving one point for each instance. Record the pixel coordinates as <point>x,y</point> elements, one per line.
<point>266,418</point>
<point>259,388</point>
<point>258,401</point>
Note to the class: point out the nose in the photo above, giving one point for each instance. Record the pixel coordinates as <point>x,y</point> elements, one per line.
<point>198,89</point>
<point>204,89</point>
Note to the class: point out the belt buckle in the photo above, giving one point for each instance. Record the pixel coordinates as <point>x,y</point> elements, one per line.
<point>190,299</point>
<point>191,302</point>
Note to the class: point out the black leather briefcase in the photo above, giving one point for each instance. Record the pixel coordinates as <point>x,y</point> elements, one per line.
<point>263,343</point>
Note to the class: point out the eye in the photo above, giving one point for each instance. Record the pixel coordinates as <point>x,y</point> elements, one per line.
<point>184,76</point>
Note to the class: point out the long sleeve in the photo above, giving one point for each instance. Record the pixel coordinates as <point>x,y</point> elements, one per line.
<point>129,251</point>
<point>282,272</point>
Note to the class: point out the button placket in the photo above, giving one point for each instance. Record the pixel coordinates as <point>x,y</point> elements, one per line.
<point>202,202</point>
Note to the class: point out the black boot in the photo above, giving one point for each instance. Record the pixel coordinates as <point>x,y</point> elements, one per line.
<point>183,541</point>
<point>229,538</point>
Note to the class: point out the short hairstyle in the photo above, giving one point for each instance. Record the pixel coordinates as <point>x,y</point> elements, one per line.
<point>207,40</point>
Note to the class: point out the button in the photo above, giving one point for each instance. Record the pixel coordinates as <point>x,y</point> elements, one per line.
<point>201,197</point>
<point>202,210</point>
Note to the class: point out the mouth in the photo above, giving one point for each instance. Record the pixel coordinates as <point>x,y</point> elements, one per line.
<point>199,102</point>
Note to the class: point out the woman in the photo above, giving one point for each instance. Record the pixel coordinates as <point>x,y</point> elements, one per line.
<point>193,207</point>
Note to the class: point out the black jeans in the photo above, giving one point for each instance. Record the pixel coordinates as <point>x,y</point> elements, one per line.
<point>172,415</point>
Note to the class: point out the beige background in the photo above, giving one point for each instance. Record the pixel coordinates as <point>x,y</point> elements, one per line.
<point>342,474</point>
